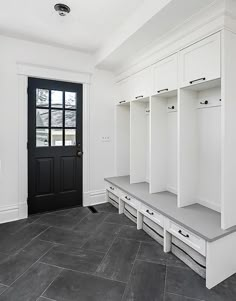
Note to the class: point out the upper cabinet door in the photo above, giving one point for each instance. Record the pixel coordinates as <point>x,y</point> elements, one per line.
<point>125,89</point>
<point>141,84</point>
<point>165,75</point>
<point>201,61</point>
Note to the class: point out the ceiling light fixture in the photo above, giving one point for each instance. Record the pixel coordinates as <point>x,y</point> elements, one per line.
<point>62,9</point>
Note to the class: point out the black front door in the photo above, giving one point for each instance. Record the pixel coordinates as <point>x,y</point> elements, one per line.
<point>54,145</point>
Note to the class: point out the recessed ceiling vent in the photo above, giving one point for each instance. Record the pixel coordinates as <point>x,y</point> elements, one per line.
<point>62,9</point>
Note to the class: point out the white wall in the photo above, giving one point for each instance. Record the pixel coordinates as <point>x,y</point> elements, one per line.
<point>101,155</point>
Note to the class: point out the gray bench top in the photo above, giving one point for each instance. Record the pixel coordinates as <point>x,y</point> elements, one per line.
<point>202,221</point>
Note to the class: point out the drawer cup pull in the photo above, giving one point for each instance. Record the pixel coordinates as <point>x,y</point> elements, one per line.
<point>151,213</point>
<point>123,101</point>
<point>185,235</point>
<point>112,188</point>
<point>127,198</point>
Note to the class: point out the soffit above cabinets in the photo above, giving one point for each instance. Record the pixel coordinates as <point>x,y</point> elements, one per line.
<point>151,27</point>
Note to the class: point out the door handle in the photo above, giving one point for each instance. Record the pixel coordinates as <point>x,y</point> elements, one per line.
<point>79,154</point>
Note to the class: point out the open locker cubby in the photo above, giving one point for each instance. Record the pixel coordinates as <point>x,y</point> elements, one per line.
<point>139,141</point>
<point>163,146</point>
<point>123,139</point>
<point>200,145</point>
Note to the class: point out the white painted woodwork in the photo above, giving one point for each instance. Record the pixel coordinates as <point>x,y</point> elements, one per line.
<point>201,60</point>
<point>190,239</point>
<point>220,260</point>
<point>165,75</point>
<point>123,139</point>
<point>228,130</point>
<point>153,215</point>
<point>141,84</point>
<point>139,129</point>
<point>163,144</point>
<point>124,88</point>
<point>200,147</point>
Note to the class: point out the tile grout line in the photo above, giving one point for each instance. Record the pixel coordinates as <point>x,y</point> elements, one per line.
<point>135,259</point>
<point>80,272</point>
<point>164,295</point>
<point>51,283</point>
<point>37,261</point>
<point>190,298</point>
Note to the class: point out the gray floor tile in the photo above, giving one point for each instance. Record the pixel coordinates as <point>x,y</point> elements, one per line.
<point>119,219</point>
<point>154,252</point>
<point>2,288</point>
<point>79,213</point>
<point>37,248</point>
<point>90,223</point>
<point>14,242</point>
<point>32,284</point>
<point>3,257</point>
<point>54,220</point>
<point>187,283</point>
<point>12,227</point>
<point>102,239</point>
<point>43,299</point>
<point>147,282</point>
<point>106,207</point>
<point>14,266</point>
<point>172,297</point>
<point>134,234</point>
<point>75,259</point>
<point>74,286</point>
<point>119,261</point>
<point>62,236</point>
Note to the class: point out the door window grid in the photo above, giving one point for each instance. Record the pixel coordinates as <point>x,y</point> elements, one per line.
<point>63,133</point>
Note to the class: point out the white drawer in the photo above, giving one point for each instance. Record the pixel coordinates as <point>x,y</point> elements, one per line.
<point>187,237</point>
<point>113,189</point>
<point>153,215</point>
<point>130,200</point>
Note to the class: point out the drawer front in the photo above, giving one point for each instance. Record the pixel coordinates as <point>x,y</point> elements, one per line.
<point>187,237</point>
<point>152,215</point>
<point>113,189</point>
<point>130,200</point>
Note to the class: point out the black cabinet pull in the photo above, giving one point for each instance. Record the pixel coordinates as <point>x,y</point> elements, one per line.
<point>112,188</point>
<point>163,90</point>
<point>185,235</point>
<point>127,198</point>
<point>151,213</point>
<point>197,80</point>
<point>122,101</point>
<point>171,108</point>
<point>204,102</point>
<point>140,96</point>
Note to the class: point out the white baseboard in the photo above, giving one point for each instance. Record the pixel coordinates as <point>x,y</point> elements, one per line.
<point>94,197</point>
<point>9,214</point>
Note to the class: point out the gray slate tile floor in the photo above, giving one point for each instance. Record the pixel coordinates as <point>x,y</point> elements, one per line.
<point>73,254</point>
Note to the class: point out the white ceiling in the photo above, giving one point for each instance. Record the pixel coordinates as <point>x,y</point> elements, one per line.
<point>87,28</point>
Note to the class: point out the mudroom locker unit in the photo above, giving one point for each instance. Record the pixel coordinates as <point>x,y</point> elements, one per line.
<point>175,153</point>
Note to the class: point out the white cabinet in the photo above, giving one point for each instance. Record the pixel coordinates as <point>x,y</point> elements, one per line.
<point>165,75</point>
<point>141,84</point>
<point>201,61</point>
<point>125,89</point>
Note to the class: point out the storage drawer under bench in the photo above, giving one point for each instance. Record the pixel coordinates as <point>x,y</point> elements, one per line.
<point>113,189</point>
<point>129,200</point>
<point>153,215</point>
<point>190,239</point>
